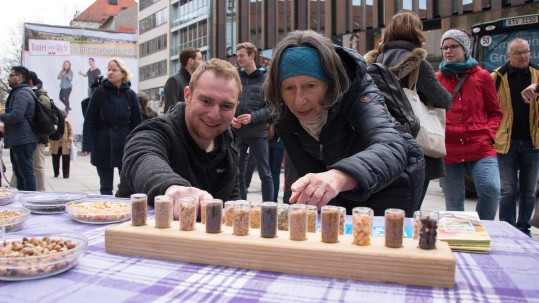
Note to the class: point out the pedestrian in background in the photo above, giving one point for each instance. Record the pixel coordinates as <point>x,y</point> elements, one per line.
<point>62,149</point>
<point>113,112</point>
<point>471,127</point>
<point>517,139</point>
<point>66,77</point>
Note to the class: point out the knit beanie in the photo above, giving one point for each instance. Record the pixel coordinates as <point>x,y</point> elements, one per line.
<point>301,60</point>
<point>459,36</point>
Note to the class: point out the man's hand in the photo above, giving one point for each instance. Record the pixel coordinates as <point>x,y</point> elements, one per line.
<point>176,192</point>
<point>235,123</point>
<point>318,189</point>
<point>529,93</point>
<point>244,119</point>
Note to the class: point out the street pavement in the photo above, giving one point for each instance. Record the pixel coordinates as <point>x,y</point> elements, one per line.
<point>83,178</point>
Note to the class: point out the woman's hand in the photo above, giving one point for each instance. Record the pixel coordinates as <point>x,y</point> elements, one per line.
<point>318,189</point>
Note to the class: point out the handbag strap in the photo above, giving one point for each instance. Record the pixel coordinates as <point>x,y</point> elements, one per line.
<point>459,85</point>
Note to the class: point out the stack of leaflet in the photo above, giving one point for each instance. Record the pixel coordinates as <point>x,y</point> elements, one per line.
<point>463,231</point>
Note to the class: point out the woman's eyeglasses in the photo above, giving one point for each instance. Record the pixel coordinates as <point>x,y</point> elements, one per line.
<point>449,47</point>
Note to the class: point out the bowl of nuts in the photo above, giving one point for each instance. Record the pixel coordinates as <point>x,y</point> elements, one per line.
<point>13,218</point>
<point>49,203</point>
<point>7,195</point>
<point>100,210</point>
<point>25,257</point>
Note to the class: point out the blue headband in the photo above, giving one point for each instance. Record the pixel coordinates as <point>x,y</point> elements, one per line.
<point>301,60</point>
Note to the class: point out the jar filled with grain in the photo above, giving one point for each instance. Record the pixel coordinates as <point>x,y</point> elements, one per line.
<point>428,229</point>
<point>188,213</point>
<point>312,212</point>
<point>229,213</point>
<point>298,222</point>
<point>394,227</point>
<point>139,209</point>
<point>342,219</point>
<point>203,211</point>
<point>214,215</point>
<point>255,214</point>
<point>329,219</point>
<point>163,211</point>
<point>282,216</point>
<point>416,224</point>
<point>242,214</point>
<point>268,220</point>
<point>362,225</point>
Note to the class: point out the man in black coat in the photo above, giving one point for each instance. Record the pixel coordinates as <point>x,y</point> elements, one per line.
<point>190,59</point>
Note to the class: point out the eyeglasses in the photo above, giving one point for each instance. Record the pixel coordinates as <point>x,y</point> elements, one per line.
<point>520,53</point>
<point>449,47</point>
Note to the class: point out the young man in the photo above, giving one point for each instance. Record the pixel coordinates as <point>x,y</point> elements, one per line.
<point>517,139</point>
<point>92,74</point>
<point>190,59</point>
<point>191,150</point>
<point>252,116</point>
<point>18,134</point>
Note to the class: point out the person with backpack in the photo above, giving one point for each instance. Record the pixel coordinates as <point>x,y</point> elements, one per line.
<point>471,127</point>
<point>18,134</point>
<point>337,131</point>
<point>402,51</point>
<point>112,113</point>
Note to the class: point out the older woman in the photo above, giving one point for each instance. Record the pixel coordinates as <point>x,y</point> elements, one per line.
<point>112,113</point>
<point>471,127</point>
<point>336,130</point>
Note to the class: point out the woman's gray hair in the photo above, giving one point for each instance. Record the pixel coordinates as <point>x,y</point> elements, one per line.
<point>329,59</point>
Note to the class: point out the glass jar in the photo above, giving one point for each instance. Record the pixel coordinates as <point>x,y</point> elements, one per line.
<point>268,220</point>
<point>394,227</point>
<point>342,219</point>
<point>139,209</point>
<point>188,213</point>
<point>255,214</point>
<point>298,222</point>
<point>242,214</point>
<point>329,220</point>
<point>312,212</point>
<point>163,211</point>
<point>362,218</point>
<point>229,213</point>
<point>282,216</point>
<point>428,226</point>
<point>214,215</point>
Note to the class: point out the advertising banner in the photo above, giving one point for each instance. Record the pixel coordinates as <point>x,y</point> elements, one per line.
<point>86,52</point>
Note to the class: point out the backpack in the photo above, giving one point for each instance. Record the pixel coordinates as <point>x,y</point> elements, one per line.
<point>48,120</point>
<point>395,98</point>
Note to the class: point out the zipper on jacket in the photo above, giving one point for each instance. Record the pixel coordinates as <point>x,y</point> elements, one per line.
<point>322,152</point>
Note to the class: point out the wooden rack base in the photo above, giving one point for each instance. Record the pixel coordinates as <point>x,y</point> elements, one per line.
<point>377,263</point>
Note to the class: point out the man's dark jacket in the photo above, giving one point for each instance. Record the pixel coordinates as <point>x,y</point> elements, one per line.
<point>160,152</point>
<point>174,88</point>
<point>252,102</point>
<point>360,139</point>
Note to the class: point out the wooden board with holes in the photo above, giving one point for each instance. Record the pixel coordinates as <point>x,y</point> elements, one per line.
<point>377,263</point>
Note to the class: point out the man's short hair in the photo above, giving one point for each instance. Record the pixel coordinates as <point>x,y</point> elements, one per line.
<point>251,48</point>
<point>21,70</point>
<point>220,67</point>
<point>188,53</point>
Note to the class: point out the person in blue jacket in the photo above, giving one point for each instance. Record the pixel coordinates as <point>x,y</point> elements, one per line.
<point>112,113</point>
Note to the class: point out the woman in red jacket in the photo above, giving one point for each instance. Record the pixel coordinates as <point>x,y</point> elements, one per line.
<point>471,127</point>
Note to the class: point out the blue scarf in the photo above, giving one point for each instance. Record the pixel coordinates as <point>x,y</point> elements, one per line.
<point>454,68</point>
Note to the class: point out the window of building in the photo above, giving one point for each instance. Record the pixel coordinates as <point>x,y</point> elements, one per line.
<point>153,70</point>
<point>152,46</point>
<point>153,21</point>
<point>146,3</point>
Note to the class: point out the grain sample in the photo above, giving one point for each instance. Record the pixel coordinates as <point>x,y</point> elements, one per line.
<point>362,225</point>
<point>298,222</point>
<point>268,220</point>
<point>242,213</point>
<point>214,216</point>
<point>394,226</point>
<point>163,211</point>
<point>229,213</point>
<point>330,224</point>
<point>282,216</point>
<point>312,218</point>
<point>255,214</point>
<point>188,213</point>
<point>428,225</point>
<point>139,209</point>
<point>342,219</point>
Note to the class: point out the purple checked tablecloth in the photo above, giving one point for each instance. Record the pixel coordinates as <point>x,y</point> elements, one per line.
<point>509,273</point>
